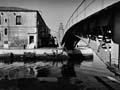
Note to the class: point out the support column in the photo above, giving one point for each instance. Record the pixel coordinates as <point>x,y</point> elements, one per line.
<point>119,57</point>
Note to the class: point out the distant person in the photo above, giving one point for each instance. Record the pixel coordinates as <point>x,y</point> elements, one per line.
<point>56,42</point>
<point>24,46</point>
<point>11,58</point>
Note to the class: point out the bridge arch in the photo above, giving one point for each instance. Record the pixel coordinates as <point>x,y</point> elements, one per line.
<point>104,25</point>
<point>99,23</point>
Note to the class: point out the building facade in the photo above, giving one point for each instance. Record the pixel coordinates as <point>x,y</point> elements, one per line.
<point>21,28</point>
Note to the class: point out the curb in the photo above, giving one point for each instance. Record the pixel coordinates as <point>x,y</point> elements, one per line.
<point>113,69</point>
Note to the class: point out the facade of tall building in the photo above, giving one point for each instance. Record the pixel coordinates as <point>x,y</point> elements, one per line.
<point>20,27</point>
<point>60,33</point>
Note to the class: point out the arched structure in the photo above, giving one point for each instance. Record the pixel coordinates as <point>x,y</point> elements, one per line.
<point>97,30</point>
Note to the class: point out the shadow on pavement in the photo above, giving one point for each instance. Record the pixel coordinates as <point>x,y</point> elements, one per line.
<point>35,84</point>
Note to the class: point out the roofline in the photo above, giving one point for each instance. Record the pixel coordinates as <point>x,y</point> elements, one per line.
<point>19,10</point>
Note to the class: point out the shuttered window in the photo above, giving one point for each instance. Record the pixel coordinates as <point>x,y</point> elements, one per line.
<point>5,31</point>
<point>18,20</point>
<point>0,20</point>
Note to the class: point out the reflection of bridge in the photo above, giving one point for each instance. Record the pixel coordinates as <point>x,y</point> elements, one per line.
<point>96,22</point>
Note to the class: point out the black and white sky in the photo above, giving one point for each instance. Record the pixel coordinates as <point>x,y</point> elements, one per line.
<point>53,11</point>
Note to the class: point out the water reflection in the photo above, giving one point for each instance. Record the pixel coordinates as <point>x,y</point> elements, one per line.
<point>76,57</point>
<point>31,65</point>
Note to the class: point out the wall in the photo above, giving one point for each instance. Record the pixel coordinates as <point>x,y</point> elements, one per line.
<point>17,34</point>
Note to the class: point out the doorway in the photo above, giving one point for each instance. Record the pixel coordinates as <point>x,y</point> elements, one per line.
<point>31,39</point>
<point>31,42</point>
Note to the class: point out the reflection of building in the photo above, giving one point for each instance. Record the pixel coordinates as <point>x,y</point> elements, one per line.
<point>60,33</point>
<point>20,27</point>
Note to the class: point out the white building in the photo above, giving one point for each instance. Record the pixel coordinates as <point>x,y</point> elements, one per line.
<point>20,27</point>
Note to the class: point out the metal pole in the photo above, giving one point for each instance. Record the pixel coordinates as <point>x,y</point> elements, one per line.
<point>119,58</point>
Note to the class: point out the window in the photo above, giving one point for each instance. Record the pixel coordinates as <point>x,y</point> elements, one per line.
<point>18,20</point>
<point>5,42</point>
<point>0,36</point>
<point>1,13</point>
<point>5,31</point>
<point>6,20</point>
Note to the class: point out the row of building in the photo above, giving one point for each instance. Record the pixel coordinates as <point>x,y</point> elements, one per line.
<point>22,28</point>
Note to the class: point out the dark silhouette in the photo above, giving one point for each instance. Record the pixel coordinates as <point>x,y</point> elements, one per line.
<point>32,72</point>
<point>11,58</point>
<point>24,46</point>
<point>29,57</point>
<point>75,58</point>
<point>42,72</point>
<point>70,41</point>
<point>35,84</point>
<point>68,71</point>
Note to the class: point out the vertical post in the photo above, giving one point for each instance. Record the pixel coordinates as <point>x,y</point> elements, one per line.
<point>119,58</point>
<point>110,58</point>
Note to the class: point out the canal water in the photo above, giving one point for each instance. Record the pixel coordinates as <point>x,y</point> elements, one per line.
<point>43,68</point>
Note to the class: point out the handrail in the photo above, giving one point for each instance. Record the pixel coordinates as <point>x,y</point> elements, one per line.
<point>75,11</point>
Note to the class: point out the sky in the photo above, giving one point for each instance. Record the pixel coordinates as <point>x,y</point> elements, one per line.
<point>53,11</point>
